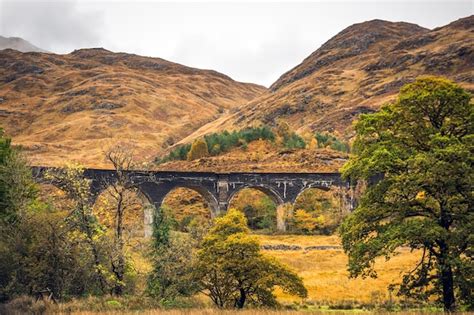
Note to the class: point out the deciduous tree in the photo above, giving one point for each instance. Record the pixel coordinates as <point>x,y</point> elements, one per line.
<point>232,271</point>
<point>423,144</point>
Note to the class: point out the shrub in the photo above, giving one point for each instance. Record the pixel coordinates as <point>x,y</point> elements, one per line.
<point>305,222</point>
<point>293,141</point>
<point>220,142</point>
<point>198,150</point>
<point>328,140</point>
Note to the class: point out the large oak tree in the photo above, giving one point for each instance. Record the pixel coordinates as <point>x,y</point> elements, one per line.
<point>423,145</point>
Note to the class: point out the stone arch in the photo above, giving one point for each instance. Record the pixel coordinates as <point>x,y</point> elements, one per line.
<point>156,192</point>
<point>267,190</point>
<point>307,187</point>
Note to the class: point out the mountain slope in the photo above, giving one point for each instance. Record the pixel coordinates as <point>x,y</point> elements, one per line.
<point>72,107</point>
<point>19,44</point>
<point>356,72</point>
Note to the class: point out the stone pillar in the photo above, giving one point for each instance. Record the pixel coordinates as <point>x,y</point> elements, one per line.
<point>148,220</point>
<point>283,211</point>
<point>222,195</point>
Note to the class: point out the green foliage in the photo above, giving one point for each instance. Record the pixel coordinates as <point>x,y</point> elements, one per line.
<point>424,145</point>
<point>179,153</point>
<point>17,188</point>
<point>261,215</point>
<point>172,259</point>
<point>198,150</point>
<point>232,271</point>
<point>218,143</point>
<point>328,140</point>
<point>293,141</point>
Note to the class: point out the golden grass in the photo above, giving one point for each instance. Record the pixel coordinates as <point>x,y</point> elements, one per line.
<point>324,271</point>
<point>252,312</point>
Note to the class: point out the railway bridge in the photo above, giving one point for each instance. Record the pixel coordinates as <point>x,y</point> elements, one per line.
<point>216,188</point>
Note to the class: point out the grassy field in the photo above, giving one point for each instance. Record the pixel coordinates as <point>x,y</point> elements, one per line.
<point>323,271</point>
<point>325,275</point>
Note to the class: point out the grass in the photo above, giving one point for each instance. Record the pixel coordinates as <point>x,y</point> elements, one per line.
<point>325,275</point>
<point>323,271</point>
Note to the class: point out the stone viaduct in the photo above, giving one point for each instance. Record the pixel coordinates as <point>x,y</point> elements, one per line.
<point>217,188</point>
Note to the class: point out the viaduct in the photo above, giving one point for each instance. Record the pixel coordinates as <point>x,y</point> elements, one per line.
<point>216,188</point>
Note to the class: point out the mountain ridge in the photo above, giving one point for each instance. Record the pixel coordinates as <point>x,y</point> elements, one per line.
<point>73,106</point>
<point>19,44</point>
<point>329,89</point>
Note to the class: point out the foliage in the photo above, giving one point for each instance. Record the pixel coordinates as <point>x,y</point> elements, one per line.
<point>288,138</point>
<point>121,192</point>
<point>172,259</point>
<point>232,271</point>
<point>327,140</point>
<point>179,153</point>
<point>220,142</point>
<point>423,144</point>
<point>39,249</point>
<point>82,219</point>
<point>324,208</point>
<point>17,188</point>
<point>198,150</point>
<point>259,209</point>
<point>293,141</point>
<point>305,222</point>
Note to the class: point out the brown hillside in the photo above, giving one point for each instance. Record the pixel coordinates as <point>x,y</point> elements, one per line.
<point>264,156</point>
<point>356,72</point>
<point>72,107</point>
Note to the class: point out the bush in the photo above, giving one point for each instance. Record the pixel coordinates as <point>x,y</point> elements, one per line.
<point>198,150</point>
<point>293,141</point>
<point>328,140</point>
<point>305,222</point>
<point>220,142</point>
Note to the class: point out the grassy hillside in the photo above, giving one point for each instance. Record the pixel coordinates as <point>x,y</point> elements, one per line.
<point>72,107</point>
<point>355,72</point>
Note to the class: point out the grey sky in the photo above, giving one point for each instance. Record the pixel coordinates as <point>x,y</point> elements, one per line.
<point>252,42</point>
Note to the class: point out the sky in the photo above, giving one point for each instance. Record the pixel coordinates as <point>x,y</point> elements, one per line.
<point>249,41</point>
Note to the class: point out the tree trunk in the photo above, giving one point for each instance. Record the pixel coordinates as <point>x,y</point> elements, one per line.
<point>447,282</point>
<point>241,301</point>
<point>446,270</point>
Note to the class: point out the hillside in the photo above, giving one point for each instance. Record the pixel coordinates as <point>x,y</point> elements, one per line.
<point>72,107</point>
<point>264,156</point>
<point>19,44</point>
<point>356,72</point>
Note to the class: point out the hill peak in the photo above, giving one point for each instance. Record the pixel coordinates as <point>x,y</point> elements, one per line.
<point>351,42</point>
<point>19,44</point>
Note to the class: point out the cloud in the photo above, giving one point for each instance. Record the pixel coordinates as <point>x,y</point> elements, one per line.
<point>59,26</point>
<point>249,41</point>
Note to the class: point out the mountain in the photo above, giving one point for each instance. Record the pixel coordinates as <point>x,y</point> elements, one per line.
<point>19,44</point>
<point>356,72</point>
<point>72,107</point>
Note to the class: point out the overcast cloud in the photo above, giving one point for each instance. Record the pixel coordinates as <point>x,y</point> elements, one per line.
<point>252,42</point>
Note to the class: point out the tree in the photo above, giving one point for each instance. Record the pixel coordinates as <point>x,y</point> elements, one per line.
<point>232,271</point>
<point>17,188</point>
<point>306,222</point>
<point>198,150</point>
<point>172,259</point>
<point>121,191</point>
<point>81,218</point>
<point>423,145</point>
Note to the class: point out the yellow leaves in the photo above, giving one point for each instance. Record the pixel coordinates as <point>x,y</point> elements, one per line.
<point>198,150</point>
<point>421,195</point>
<point>306,222</point>
<point>313,145</point>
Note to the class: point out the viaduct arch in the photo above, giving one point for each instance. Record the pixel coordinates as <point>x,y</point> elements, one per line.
<point>216,188</point>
